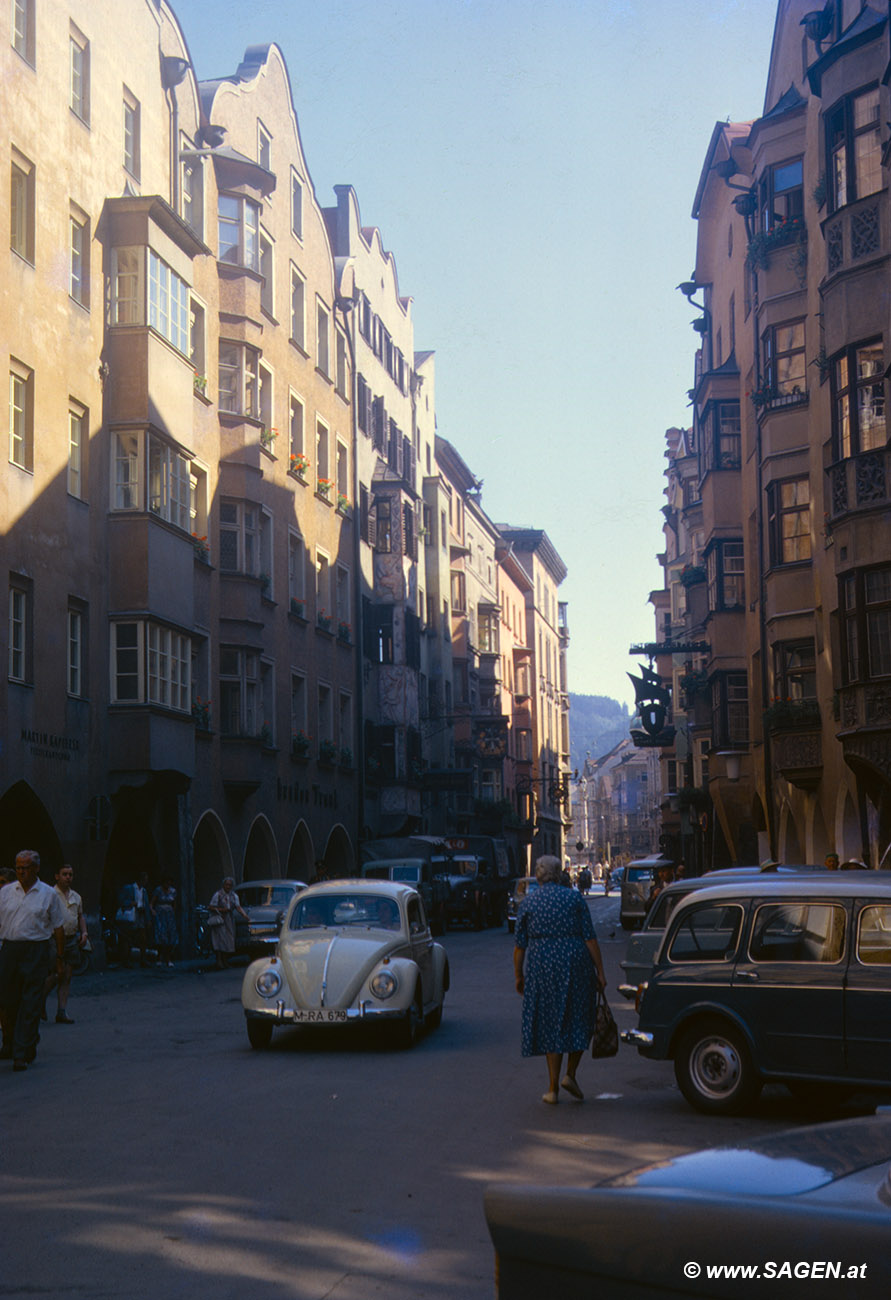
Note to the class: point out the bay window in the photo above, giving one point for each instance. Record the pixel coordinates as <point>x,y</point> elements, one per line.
<point>146,291</point>
<point>171,481</point>
<point>725,573</point>
<point>151,663</point>
<point>854,148</point>
<point>794,670</point>
<point>781,195</point>
<point>238,228</point>
<point>784,363</point>
<point>865,607</point>
<point>789,520</point>
<point>858,400</point>
<point>239,379</point>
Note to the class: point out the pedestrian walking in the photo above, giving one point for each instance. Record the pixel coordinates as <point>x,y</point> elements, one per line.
<point>558,970</point>
<point>224,904</point>
<point>31,913</point>
<point>132,918</point>
<point>76,938</point>
<point>163,906</point>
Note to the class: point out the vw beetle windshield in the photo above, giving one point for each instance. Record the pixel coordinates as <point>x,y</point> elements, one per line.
<point>329,911</point>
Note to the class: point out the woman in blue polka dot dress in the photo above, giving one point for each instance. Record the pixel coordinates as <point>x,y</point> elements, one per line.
<point>563,973</point>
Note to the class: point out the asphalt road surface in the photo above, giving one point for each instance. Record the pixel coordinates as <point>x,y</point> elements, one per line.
<point>150,1152</point>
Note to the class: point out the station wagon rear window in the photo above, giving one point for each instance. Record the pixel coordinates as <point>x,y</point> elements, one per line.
<point>798,932</point>
<point>874,938</point>
<point>707,934</point>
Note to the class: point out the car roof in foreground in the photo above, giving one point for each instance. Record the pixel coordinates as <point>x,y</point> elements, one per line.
<point>360,885</point>
<point>844,884</point>
<point>273,880</point>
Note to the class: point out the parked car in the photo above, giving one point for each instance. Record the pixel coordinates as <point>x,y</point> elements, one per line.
<point>520,889</point>
<point>350,952</point>
<point>265,902</point>
<point>808,1209</point>
<point>421,873</point>
<point>785,978</point>
<point>643,944</point>
<point>637,881</point>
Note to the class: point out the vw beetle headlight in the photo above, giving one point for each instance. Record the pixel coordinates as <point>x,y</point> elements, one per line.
<point>269,982</point>
<point>384,984</point>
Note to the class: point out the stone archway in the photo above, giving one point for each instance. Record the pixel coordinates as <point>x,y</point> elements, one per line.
<point>132,848</point>
<point>212,856</point>
<point>339,857</point>
<point>26,824</point>
<point>789,845</point>
<point>301,855</point>
<point>261,854</point>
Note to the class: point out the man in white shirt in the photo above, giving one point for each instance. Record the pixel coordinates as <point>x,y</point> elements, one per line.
<point>75,927</point>
<point>31,913</point>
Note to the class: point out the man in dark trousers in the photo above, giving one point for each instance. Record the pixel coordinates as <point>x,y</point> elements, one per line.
<point>31,914</point>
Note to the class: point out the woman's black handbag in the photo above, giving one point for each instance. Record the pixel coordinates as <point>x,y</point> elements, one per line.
<point>606,1032</point>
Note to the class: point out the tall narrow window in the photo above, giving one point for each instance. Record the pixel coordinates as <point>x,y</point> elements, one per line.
<point>323,325</point>
<point>131,134</point>
<point>197,343</point>
<point>322,455</point>
<point>79,235</point>
<point>77,445</point>
<point>23,29</point>
<point>340,376</point>
<point>238,230</point>
<point>297,459</point>
<point>127,271</point>
<point>264,147</point>
<point>267,289</point>
<point>21,415</point>
<point>784,363</point>
<point>20,655</point>
<point>298,308</point>
<point>21,207</point>
<point>296,205</point>
<point>789,521</point>
<point>76,656</point>
<point>126,492</point>
<point>858,390</point>
<point>79,75</point>
<point>854,148</point>
<point>296,574</point>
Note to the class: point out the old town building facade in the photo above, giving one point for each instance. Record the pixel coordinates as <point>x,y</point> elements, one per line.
<point>229,632</point>
<point>783,572</point>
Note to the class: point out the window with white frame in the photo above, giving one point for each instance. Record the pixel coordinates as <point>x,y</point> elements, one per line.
<point>245,539</point>
<point>20,632</point>
<point>298,308</point>
<point>131,134</point>
<point>239,377</point>
<point>168,303</point>
<point>238,231</point>
<point>264,147</point>
<point>78,429</point>
<point>297,460</point>
<point>340,365</point>
<point>298,705</point>
<point>79,260</point>
<point>128,302</point>
<point>296,573</point>
<point>345,726</point>
<point>198,343</point>
<point>296,205</point>
<point>151,663</point>
<point>169,481</point>
<point>342,599</point>
<point>267,288</point>
<point>22,217</point>
<point>240,697</point>
<point>23,29</point>
<point>325,714</point>
<point>79,75</point>
<point>323,340</point>
<point>21,415</point>
<point>192,189</point>
<point>323,585</point>
<point>322,453</point>
<point>342,470</point>
<point>140,457</point>
<point>76,637</point>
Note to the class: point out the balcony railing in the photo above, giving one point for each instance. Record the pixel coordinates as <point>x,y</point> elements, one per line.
<point>860,482</point>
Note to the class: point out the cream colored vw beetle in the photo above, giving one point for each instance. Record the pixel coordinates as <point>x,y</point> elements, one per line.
<point>350,951</point>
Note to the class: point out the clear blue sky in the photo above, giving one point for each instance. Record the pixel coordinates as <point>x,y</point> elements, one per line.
<point>531,165</point>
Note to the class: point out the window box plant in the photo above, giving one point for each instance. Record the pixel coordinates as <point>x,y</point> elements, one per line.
<point>298,465</point>
<point>344,632</point>
<point>792,715</point>
<point>298,607</point>
<point>300,744</point>
<point>343,503</point>
<point>267,438</point>
<point>324,486</point>
<point>201,713</point>
<point>327,752</point>
<point>201,549</point>
<point>324,621</point>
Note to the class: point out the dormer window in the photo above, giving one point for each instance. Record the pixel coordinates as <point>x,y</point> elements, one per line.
<point>238,228</point>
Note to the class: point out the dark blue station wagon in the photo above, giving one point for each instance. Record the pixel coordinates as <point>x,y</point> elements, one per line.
<point>773,979</point>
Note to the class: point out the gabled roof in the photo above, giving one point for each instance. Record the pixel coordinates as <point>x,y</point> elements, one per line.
<point>724,136</point>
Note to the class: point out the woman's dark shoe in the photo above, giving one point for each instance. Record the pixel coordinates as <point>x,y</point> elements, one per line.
<point>63,1018</point>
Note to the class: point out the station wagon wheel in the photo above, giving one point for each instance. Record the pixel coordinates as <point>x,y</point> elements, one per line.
<point>714,1069</point>
<point>259,1034</point>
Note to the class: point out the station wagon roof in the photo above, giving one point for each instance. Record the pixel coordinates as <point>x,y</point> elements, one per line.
<point>841,885</point>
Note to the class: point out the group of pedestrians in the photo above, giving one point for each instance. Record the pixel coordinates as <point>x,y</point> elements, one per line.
<point>144,919</point>
<point>42,930</point>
